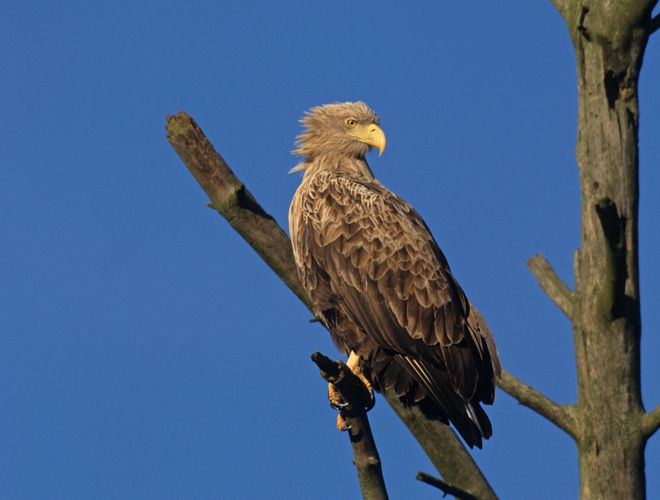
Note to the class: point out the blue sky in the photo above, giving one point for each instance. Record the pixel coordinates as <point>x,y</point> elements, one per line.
<point>147,352</point>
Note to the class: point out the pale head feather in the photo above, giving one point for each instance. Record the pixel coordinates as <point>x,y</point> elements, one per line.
<point>324,132</point>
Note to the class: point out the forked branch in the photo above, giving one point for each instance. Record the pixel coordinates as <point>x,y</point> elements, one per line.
<point>563,416</point>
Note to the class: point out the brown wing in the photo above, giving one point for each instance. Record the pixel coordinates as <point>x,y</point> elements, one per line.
<point>327,305</point>
<point>365,255</point>
<point>384,264</point>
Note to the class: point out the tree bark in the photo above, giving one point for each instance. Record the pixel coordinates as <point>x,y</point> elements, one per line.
<point>609,39</point>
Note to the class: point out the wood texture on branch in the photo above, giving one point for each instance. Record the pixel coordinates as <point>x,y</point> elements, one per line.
<point>552,285</point>
<point>563,416</point>
<point>566,8</point>
<point>651,422</point>
<point>365,453</point>
<point>233,200</point>
<point>261,231</point>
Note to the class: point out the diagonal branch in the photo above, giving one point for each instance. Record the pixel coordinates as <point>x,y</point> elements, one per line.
<point>651,422</point>
<point>261,231</point>
<point>563,416</point>
<point>231,198</point>
<point>365,453</point>
<point>552,285</point>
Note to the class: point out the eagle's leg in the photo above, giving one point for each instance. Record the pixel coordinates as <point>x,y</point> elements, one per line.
<point>354,363</point>
<point>336,400</point>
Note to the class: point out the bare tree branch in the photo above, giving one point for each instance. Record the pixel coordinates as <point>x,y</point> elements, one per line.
<point>446,488</point>
<point>231,198</point>
<point>554,287</point>
<point>365,453</point>
<point>563,416</point>
<point>651,422</point>
<point>271,243</point>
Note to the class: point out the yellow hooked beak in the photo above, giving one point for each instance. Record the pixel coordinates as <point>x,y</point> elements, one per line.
<point>370,134</point>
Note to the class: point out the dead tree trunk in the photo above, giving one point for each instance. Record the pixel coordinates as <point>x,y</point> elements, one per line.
<point>609,40</point>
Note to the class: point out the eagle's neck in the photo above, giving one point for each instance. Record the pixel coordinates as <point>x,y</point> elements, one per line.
<point>345,166</point>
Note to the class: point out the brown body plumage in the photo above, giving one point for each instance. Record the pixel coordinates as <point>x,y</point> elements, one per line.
<point>378,280</point>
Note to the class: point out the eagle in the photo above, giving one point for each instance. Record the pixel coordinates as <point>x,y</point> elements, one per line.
<point>378,280</point>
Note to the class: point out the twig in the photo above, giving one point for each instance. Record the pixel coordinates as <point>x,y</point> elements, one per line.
<point>365,453</point>
<point>554,287</point>
<point>651,422</point>
<point>437,439</point>
<point>563,416</point>
<point>446,488</point>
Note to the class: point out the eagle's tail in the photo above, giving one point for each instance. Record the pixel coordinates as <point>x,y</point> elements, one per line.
<point>429,387</point>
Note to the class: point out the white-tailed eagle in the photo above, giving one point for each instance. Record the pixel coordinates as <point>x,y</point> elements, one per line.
<point>378,280</point>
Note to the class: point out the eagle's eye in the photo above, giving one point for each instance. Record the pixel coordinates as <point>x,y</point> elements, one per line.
<point>351,122</point>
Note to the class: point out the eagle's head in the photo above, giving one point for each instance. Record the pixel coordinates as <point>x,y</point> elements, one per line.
<point>340,129</point>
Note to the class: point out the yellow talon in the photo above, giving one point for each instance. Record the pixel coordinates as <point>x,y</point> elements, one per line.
<point>342,425</point>
<point>336,401</point>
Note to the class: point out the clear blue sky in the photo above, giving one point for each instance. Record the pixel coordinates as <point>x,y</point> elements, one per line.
<point>147,352</point>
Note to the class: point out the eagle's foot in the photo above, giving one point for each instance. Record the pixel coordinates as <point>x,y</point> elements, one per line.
<point>355,365</point>
<point>349,390</point>
<point>334,396</point>
<point>336,401</point>
<point>342,425</point>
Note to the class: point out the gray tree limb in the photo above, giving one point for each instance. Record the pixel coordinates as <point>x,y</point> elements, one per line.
<point>552,285</point>
<point>651,422</point>
<point>233,201</point>
<point>563,416</point>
